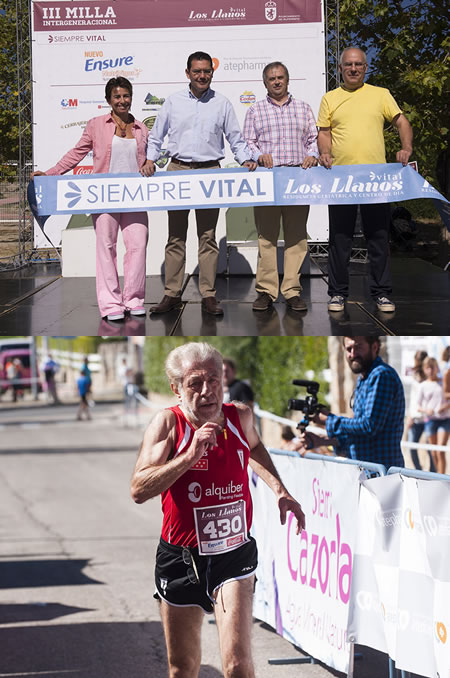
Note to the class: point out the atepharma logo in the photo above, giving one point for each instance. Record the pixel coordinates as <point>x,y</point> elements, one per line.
<point>270,10</point>
<point>247,98</point>
<point>409,519</point>
<point>69,103</point>
<point>441,632</point>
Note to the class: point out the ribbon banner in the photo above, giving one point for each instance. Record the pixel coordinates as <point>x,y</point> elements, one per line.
<point>344,184</point>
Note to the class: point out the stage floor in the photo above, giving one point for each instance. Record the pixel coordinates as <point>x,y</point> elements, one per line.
<point>38,301</point>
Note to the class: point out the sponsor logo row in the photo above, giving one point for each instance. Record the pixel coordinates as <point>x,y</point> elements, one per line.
<point>109,65</point>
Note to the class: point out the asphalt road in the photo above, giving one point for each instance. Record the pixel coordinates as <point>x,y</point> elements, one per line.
<point>76,556</point>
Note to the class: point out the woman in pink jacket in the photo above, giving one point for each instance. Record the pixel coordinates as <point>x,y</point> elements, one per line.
<point>119,144</point>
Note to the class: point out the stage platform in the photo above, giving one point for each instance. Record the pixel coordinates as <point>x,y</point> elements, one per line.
<point>38,301</point>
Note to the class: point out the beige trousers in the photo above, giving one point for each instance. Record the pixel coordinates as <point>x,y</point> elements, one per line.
<point>268,221</point>
<point>175,252</point>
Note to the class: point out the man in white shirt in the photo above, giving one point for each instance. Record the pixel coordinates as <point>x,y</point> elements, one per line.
<point>195,120</point>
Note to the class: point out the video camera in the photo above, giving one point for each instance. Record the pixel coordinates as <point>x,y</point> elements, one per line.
<point>310,405</point>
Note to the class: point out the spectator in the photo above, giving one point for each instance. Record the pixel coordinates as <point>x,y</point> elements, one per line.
<point>433,404</point>
<point>235,389</point>
<point>130,391</point>
<point>374,433</point>
<point>17,374</point>
<point>10,373</point>
<point>446,372</point>
<point>83,387</point>
<point>50,368</point>
<point>88,374</point>
<point>415,423</point>
<point>288,439</point>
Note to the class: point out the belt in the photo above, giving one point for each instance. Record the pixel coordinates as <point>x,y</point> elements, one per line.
<point>195,165</point>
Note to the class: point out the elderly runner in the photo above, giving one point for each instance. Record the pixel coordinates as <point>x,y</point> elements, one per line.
<point>196,456</point>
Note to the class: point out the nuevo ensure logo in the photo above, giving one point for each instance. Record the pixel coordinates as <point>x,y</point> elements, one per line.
<point>94,64</point>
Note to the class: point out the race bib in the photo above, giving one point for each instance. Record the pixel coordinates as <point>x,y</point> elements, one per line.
<point>220,528</point>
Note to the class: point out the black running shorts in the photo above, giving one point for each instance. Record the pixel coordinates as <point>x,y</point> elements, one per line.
<point>183,577</point>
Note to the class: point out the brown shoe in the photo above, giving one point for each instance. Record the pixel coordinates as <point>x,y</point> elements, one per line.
<point>262,302</point>
<point>167,304</point>
<point>211,305</point>
<point>296,303</point>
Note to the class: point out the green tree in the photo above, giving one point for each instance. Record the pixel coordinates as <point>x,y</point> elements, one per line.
<point>282,359</point>
<point>240,349</point>
<point>9,114</point>
<point>270,363</point>
<point>408,52</point>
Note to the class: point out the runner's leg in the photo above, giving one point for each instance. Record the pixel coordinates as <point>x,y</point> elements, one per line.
<point>234,623</point>
<point>182,630</point>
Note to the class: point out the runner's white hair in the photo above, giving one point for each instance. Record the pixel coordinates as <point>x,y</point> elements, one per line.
<point>188,355</point>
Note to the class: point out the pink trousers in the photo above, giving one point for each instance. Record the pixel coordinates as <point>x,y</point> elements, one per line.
<point>134,229</point>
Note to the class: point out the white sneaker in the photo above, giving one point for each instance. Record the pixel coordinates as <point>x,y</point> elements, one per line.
<point>385,304</point>
<point>336,303</point>
<point>115,316</point>
<point>137,311</point>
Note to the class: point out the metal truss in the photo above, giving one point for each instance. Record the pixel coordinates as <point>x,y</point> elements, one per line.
<point>25,121</point>
<point>319,250</point>
<point>332,46</point>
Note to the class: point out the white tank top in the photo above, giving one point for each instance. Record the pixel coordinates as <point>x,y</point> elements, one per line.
<point>123,156</point>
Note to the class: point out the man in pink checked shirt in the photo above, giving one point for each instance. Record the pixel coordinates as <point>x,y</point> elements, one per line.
<point>282,130</point>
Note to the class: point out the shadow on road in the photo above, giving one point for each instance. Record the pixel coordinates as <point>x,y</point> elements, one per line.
<point>65,449</point>
<point>95,650</point>
<point>33,612</point>
<point>31,573</point>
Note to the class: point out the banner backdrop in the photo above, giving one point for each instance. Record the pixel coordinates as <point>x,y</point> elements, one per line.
<point>78,46</point>
<point>344,184</point>
<point>401,574</point>
<point>303,581</point>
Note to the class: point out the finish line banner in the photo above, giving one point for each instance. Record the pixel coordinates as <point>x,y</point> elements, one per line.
<point>344,184</point>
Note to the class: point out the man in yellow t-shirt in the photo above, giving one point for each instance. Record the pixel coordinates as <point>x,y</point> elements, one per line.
<point>351,123</point>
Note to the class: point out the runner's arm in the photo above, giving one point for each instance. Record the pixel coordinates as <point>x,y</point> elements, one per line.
<point>155,471</point>
<point>262,464</point>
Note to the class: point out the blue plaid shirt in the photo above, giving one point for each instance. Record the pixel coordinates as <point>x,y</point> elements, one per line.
<point>375,432</point>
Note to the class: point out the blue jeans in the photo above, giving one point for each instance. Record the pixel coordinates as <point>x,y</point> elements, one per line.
<point>414,435</point>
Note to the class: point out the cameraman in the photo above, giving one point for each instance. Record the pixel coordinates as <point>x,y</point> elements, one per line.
<point>375,431</point>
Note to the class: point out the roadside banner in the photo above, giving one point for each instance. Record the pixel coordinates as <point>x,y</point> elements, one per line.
<point>303,581</point>
<point>401,575</point>
<point>345,184</point>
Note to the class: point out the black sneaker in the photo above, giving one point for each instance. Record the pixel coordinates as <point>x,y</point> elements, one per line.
<point>385,304</point>
<point>336,303</point>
